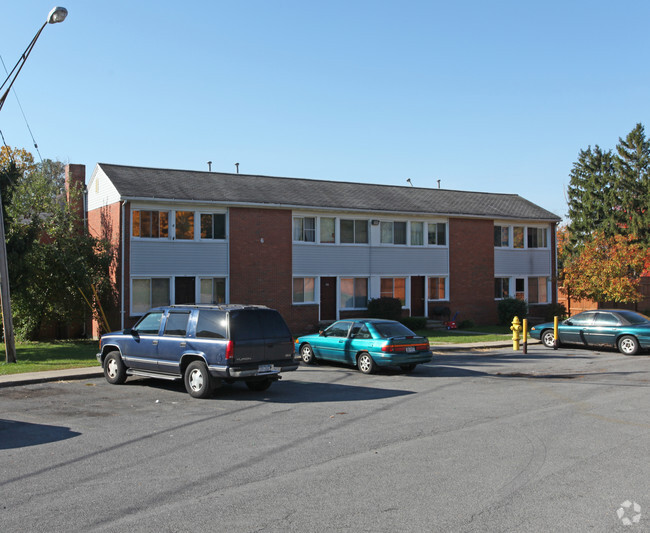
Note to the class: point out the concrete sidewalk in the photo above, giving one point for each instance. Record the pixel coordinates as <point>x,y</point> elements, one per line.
<point>67,374</point>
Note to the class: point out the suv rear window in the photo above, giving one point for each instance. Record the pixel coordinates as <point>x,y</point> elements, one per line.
<point>211,325</point>
<point>250,324</point>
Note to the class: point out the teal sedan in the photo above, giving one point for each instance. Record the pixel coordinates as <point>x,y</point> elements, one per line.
<point>366,343</point>
<point>628,331</point>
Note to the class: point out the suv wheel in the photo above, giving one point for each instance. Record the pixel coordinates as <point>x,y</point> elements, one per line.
<point>198,381</point>
<point>114,369</point>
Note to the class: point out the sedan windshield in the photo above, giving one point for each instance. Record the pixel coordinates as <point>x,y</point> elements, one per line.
<point>392,329</point>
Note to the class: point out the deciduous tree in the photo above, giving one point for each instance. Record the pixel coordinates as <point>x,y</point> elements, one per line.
<point>607,269</point>
<point>53,262</point>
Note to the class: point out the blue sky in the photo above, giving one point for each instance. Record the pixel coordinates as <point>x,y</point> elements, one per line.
<point>484,96</point>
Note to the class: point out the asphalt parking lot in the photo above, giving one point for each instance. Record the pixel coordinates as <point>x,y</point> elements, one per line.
<point>481,440</point>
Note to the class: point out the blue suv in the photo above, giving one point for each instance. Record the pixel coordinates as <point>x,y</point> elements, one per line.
<point>204,345</point>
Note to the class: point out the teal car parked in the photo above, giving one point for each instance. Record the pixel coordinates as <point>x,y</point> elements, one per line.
<point>628,331</point>
<point>366,343</point>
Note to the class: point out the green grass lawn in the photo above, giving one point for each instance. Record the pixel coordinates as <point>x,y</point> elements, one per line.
<point>459,336</point>
<point>55,355</point>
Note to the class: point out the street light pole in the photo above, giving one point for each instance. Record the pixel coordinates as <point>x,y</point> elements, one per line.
<point>58,14</point>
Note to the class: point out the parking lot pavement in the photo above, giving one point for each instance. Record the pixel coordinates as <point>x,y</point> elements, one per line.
<point>480,439</point>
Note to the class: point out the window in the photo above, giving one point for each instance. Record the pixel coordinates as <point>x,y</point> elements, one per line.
<point>537,290</point>
<point>327,229</point>
<point>437,234</point>
<point>304,229</point>
<point>354,231</point>
<point>520,288</point>
<point>437,288</point>
<point>211,325</point>
<point>394,288</point>
<point>518,237</point>
<point>303,290</point>
<point>213,226</point>
<point>537,238</point>
<point>150,224</point>
<point>393,232</point>
<point>212,291</point>
<point>502,236</point>
<point>338,329</point>
<point>354,293</point>
<point>417,233</point>
<point>149,324</point>
<point>606,319</point>
<point>501,288</point>
<point>185,225</point>
<point>184,290</point>
<point>148,293</point>
<point>176,324</point>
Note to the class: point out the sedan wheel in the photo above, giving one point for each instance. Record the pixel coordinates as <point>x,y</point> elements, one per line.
<point>198,381</point>
<point>548,338</point>
<point>366,364</point>
<point>628,345</point>
<point>307,354</point>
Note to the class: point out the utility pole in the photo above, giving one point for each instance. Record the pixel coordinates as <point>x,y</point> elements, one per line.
<point>58,14</point>
<point>7,321</point>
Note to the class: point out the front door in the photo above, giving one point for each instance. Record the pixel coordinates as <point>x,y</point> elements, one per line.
<point>328,298</point>
<point>184,290</point>
<point>417,296</point>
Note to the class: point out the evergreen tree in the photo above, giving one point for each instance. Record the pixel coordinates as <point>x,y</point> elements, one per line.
<point>633,184</point>
<point>591,195</point>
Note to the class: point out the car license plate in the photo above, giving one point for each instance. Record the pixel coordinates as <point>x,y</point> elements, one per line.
<point>410,349</point>
<point>265,368</point>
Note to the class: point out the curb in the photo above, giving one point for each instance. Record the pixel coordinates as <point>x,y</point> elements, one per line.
<point>67,374</point>
<point>30,378</point>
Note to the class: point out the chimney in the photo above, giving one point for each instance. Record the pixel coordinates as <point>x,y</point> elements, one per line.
<point>75,190</point>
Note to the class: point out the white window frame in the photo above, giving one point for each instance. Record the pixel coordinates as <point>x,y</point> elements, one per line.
<point>429,298</point>
<point>150,304</point>
<point>213,213</point>
<point>315,290</point>
<point>170,217</point>
<point>354,279</point>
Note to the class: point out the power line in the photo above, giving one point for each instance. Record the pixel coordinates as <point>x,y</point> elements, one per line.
<point>23,113</point>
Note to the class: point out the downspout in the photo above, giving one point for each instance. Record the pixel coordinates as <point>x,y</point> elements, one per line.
<point>122,311</point>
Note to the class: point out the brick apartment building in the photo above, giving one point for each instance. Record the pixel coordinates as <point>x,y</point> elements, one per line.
<point>315,250</point>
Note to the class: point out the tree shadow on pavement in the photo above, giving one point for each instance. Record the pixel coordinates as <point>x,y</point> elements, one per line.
<point>16,434</point>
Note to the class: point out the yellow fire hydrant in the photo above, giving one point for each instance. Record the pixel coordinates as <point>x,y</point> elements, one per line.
<point>516,329</point>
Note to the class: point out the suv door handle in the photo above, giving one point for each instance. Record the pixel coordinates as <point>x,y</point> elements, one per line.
<point>183,344</point>
<point>155,343</point>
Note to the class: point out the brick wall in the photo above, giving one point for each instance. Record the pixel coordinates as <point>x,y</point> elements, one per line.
<point>105,223</point>
<point>260,258</point>
<point>471,270</point>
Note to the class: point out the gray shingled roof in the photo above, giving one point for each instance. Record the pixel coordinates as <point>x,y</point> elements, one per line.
<point>140,182</point>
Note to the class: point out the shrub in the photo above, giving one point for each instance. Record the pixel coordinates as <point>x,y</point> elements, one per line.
<point>466,324</point>
<point>389,308</point>
<point>510,308</point>
<point>414,323</point>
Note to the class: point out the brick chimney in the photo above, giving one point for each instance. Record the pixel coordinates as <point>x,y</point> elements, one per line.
<point>75,180</point>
